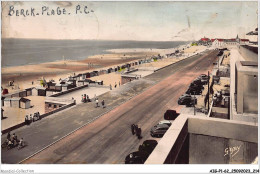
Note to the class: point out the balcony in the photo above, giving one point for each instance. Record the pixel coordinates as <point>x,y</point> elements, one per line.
<point>200,140</point>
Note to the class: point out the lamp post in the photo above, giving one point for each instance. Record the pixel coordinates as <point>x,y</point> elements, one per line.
<point>208,91</point>
<point>194,103</point>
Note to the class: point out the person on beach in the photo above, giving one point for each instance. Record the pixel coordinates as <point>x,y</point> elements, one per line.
<point>32,82</point>
<point>110,87</point>
<point>119,84</point>
<point>96,102</point>
<point>103,103</point>
<point>115,84</point>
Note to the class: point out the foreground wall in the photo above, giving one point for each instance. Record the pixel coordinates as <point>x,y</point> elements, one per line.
<point>215,150</point>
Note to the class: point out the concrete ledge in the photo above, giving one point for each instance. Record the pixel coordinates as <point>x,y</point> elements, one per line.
<point>42,116</point>
<point>68,91</point>
<point>247,54</point>
<point>166,151</point>
<point>237,130</point>
<point>133,70</point>
<point>13,128</point>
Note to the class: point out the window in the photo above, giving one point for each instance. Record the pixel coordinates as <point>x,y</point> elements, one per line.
<point>55,106</point>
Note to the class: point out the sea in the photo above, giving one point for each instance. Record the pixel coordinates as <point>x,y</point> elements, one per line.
<point>17,52</point>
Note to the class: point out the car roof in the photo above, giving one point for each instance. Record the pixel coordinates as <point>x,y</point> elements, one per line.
<point>162,126</point>
<point>165,121</point>
<point>149,141</point>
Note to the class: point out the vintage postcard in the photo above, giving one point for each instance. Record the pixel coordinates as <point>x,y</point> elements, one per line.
<point>129,82</point>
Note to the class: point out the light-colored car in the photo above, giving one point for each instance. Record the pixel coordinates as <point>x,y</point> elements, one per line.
<point>159,130</point>
<point>165,122</point>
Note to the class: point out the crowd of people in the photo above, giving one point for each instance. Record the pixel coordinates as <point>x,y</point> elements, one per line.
<point>85,99</point>
<point>32,118</point>
<point>13,141</point>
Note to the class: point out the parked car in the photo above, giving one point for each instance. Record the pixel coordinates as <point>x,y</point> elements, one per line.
<point>186,99</point>
<point>136,158</point>
<point>203,78</point>
<point>197,81</point>
<point>148,146</point>
<point>194,91</point>
<point>171,115</point>
<point>194,85</point>
<point>159,130</point>
<point>165,122</point>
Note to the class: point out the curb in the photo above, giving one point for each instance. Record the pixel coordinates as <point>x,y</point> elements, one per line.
<point>177,62</point>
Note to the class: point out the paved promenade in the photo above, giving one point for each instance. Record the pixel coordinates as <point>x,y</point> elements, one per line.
<point>50,129</point>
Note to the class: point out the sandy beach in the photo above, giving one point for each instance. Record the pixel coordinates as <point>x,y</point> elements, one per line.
<point>23,76</point>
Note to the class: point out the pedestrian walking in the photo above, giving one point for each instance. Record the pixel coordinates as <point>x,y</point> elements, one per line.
<point>103,103</point>
<point>115,84</point>
<point>133,128</point>
<point>136,127</point>
<point>9,136</point>
<point>96,102</point>
<point>139,133</point>
<point>26,120</point>
<point>119,83</point>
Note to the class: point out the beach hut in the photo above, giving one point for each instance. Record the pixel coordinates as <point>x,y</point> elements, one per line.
<point>64,87</point>
<point>28,91</point>
<point>22,93</point>
<point>15,102</point>
<point>34,91</point>
<point>86,75</point>
<point>15,94</point>
<point>7,102</point>
<point>25,103</point>
<point>41,91</point>
<point>73,82</point>
<point>96,73</point>
<point>58,88</point>
<point>50,84</point>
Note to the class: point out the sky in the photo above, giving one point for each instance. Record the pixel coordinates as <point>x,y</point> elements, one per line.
<point>152,21</point>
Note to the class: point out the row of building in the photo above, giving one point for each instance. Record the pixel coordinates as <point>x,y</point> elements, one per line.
<point>222,42</point>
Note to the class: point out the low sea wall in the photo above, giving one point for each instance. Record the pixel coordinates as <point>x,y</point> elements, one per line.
<point>68,91</point>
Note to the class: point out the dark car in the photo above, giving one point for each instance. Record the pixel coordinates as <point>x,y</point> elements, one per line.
<point>171,115</point>
<point>136,158</point>
<point>148,146</point>
<point>159,130</point>
<point>197,81</point>
<point>194,91</point>
<point>186,100</point>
